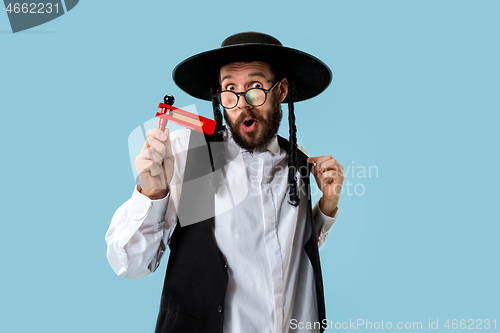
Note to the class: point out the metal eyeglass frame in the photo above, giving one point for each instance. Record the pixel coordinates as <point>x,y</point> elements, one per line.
<point>244,93</point>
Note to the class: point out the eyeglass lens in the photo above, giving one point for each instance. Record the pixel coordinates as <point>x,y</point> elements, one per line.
<point>254,96</point>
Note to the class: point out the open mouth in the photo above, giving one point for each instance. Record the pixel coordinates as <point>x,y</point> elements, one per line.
<point>249,125</point>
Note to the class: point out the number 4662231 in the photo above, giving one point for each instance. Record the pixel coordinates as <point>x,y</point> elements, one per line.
<point>32,8</point>
<point>471,324</point>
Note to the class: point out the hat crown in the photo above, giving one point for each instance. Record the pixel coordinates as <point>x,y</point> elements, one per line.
<point>198,75</point>
<point>251,37</point>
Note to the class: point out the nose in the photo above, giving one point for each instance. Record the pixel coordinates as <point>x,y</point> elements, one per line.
<point>242,102</point>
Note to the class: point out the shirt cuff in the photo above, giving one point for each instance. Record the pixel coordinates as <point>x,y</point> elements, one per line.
<point>323,222</point>
<point>143,208</point>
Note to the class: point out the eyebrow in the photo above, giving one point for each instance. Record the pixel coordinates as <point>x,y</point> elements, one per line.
<point>249,75</point>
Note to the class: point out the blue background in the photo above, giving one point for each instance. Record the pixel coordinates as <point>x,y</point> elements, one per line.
<point>415,93</point>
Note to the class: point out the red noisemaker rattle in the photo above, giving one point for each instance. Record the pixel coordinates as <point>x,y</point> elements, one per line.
<point>187,119</point>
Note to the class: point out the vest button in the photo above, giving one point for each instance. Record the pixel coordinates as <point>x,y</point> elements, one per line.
<point>226,267</point>
<point>220,308</point>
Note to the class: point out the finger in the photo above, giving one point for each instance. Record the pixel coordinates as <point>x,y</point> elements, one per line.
<point>157,145</point>
<point>315,168</point>
<point>313,159</point>
<point>331,165</point>
<point>325,162</point>
<point>151,154</point>
<point>156,133</point>
<point>145,166</point>
<point>155,169</point>
<point>142,165</point>
<point>318,160</point>
<point>333,175</point>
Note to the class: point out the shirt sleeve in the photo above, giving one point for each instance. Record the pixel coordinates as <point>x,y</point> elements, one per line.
<point>141,228</point>
<point>322,223</point>
<point>135,236</point>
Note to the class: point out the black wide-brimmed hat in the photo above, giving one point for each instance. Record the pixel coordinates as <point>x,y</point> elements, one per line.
<point>199,73</point>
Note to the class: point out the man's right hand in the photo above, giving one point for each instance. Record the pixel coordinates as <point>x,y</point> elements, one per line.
<point>155,164</point>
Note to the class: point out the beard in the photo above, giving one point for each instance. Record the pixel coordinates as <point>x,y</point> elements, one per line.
<point>268,128</point>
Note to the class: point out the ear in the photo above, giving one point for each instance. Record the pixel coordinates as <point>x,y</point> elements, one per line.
<point>283,89</point>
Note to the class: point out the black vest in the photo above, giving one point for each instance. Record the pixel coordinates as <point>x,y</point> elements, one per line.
<point>196,279</point>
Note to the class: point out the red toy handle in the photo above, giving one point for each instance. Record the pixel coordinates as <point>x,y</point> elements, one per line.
<point>163,122</point>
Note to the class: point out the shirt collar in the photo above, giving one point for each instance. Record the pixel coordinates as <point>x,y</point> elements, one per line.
<point>273,147</point>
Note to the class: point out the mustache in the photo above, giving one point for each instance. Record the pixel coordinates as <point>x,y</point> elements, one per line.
<point>251,114</point>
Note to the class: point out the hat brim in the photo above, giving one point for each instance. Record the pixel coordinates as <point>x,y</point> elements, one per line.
<point>197,74</point>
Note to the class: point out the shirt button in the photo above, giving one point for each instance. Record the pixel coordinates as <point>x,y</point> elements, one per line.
<point>220,308</point>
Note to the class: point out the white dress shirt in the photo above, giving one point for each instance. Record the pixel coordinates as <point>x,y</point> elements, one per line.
<point>271,280</point>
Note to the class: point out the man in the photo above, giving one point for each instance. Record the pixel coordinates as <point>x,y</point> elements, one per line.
<point>254,267</point>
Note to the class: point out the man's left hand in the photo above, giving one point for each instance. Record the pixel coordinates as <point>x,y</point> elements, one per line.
<point>329,175</point>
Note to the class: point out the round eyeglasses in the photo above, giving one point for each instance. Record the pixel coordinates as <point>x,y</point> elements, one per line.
<point>254,96</point>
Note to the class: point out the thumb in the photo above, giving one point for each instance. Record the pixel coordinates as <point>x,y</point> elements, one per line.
<point>312,159</point>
